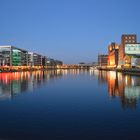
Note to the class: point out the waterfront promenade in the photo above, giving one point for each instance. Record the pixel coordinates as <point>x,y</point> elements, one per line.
<point>51,67</point>
<point>132,71</point>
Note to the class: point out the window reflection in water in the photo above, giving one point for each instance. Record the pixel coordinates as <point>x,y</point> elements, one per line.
<point>126,87</point>
<point>12,84</point>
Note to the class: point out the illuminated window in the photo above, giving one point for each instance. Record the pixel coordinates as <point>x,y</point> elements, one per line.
<point>117,47</point>
<point>16,57</point>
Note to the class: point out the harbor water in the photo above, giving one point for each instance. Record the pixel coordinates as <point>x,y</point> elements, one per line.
<point>69,105</point>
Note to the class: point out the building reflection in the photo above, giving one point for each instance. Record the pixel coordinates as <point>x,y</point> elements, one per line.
<point>75,71</point>
<point>12,84</point>
<point>125,87</point>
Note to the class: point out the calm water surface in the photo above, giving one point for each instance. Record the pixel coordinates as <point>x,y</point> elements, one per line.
<point>69,105</point>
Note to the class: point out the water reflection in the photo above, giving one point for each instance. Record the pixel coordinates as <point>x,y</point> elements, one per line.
<point>75,71</point>
<point>68,106</point>
<point>12,84</point>
<point>126,87</point>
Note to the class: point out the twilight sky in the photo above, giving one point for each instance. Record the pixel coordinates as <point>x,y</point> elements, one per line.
<point>69,30</point>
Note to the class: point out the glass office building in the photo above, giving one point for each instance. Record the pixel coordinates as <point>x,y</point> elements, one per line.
<point>16,57</point>
<point>34,59</point>
<point>12,56</point>
<point>5,56</point>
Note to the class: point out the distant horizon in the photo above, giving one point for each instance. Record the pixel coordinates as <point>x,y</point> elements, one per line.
<point>72,31</point>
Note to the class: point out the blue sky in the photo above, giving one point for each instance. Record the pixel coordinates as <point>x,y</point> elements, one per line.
<point>70,30</point>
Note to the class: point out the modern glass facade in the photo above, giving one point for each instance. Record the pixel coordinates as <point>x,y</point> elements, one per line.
<point>16,57</point>
<point>19,57</point>
<point>5,54</point>
<point>12,56</point>
<point>37,59</point>
<point>34,59</point>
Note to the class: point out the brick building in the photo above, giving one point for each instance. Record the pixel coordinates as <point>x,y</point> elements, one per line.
<point>125,39</point>
<point>102,60</point>
<point>113,55</point>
